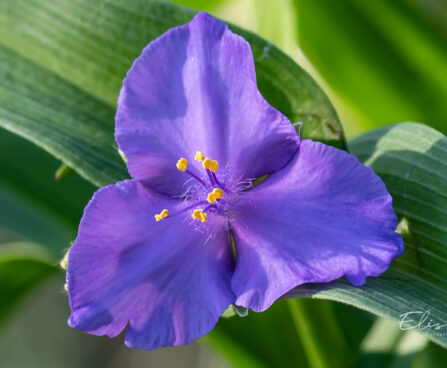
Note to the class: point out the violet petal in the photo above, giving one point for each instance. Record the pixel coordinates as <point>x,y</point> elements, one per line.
<point>164,280</point>
<point>323,216</point>
<point>194,88</point>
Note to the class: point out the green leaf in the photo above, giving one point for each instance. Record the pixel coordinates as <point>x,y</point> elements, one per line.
<point>260,340</point>
<point>22,266</point>
<point>275,338</point>
<point>202,5</point>
<point>411,159</point>
<point>36,208</point>
<point>23,220</point>
<point>33,205</point>
<point>322,337</point>
<point>386,59</point>
<point>63,62</point>
<point>70,124</point>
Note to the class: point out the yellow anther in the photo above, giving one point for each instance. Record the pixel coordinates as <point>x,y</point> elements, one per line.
<point>211,198</point>
<point>163,214</point>
<point>214,195</point>
<point>214,166</point>
<point>182,164</point>
<point>209,164</point>
<point>199,215</point>
<point>199,156</point>
<point>196,214</point>
<point>206,163</point>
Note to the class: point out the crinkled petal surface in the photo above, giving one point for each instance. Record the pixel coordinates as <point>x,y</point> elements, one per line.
<point>323,216</point>
<point>194,88</point>
<point>166,281</point>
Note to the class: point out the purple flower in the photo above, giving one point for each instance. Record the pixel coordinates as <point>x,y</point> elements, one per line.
<point>155,253</point>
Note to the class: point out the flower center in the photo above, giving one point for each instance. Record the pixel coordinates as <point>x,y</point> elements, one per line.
<point>211,196</point>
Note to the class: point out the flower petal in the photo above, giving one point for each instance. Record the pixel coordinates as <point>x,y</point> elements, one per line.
<point>169,282</point>
<point>323,216</point>
<point>194,88</point>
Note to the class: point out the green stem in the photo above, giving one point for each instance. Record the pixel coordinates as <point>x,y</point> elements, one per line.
<point>322,338</point>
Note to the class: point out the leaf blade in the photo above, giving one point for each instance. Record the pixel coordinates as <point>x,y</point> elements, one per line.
<point>64,65</point>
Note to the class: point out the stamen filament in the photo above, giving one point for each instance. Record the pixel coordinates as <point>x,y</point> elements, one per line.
<point>210,176</point>
<point>197,178</point>
<point>188,208</point>
<point>215,179</point>
<point>164,214</point>
<point>214,201</point>
<point>207,208</point>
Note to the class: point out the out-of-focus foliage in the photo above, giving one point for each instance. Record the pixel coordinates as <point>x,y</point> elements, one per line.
<point>36,209</point>
<point>22,267</point>
<point>203,5</point>
<point>386,59</point>
<point>313,332</point>
<point>34,206</point>
<point>387,346</point>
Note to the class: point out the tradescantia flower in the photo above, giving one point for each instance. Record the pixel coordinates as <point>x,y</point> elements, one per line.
<point>155,253</point>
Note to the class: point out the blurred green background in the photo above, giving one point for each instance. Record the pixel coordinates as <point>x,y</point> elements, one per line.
<point>379,61</point>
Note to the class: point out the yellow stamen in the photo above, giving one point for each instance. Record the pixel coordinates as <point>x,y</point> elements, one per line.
<point>218,192</point>
<point>199,215</point>
<point>214,166</point>
<point>199,156</point>
<point>214,195</point>
<point>206,163</point>
<point>163,214</point>
<point>209,164</point>
<point>210,198</point>
<point>182,164</point>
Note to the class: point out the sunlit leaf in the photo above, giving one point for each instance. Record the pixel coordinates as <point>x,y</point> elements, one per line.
<point>386,59</point>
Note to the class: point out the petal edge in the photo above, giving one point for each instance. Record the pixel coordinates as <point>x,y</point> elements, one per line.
<point>323,216</point>
<point>162,279</point>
